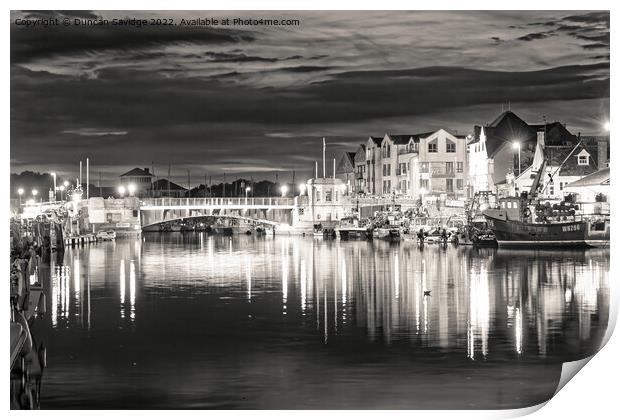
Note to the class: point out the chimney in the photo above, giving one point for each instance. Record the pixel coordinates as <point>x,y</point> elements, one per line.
<point>146,170</point>
<point>602,154</point>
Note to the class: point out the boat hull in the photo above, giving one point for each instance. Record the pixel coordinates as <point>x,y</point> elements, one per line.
<point>515,233</point>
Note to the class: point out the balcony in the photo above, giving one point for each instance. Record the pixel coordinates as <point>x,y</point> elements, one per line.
<point>359,175</point>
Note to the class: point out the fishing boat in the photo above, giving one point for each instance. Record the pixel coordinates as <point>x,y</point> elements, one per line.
<point>106,235</point>
<point>350,227</point>
<point>525,221</point>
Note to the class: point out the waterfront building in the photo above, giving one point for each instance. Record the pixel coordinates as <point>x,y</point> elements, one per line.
<point>345,169</point>
<point>592,192</point>
<point>325,203</point>
<point>165,188</point>
<point>141,179</point>
<point>118,214</point>
<point>431,164</point>
<point>507,146</point>
<point>565,164</point>
<point>373,165</point>
<point>361,168</point>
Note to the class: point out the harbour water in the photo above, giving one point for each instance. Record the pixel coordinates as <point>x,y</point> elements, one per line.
<point>197,321</point>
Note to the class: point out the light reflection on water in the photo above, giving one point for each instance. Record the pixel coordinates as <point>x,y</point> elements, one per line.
<point>269,316</point>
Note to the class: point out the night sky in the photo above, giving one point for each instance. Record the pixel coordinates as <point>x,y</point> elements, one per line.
<point>255,100</point>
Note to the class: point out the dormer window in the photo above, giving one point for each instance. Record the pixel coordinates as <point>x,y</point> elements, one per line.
<point>432,147</point>
<point>450,146</point>
<point>583,158</point>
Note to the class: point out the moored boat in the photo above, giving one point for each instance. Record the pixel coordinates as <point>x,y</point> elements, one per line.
<point>524,221</point>
<point>106,235</point>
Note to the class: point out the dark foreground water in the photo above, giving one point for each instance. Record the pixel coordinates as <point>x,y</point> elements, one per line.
<point>197,321</point>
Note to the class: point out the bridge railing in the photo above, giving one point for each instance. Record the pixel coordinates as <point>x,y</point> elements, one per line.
<point>218,201</point>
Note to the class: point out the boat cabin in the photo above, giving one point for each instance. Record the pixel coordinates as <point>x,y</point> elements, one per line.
<point>510,208</point>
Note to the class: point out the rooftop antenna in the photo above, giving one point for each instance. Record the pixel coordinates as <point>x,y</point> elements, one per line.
<point>316,169</point>
<point>323,157</point>
<point>508,105</point>
<point>334,168</point>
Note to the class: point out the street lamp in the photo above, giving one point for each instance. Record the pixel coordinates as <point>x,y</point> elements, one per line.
<point>20,192</point>
<point>121,190</point>
<point>283,189</point>
<point>606,126</point>
<point>66,184</point>
<point>247,190</point>
<point>517,146</point>
<point>62,191</point>
<point>54,175</point>
<point>131,188</point>
<point>34,194</point>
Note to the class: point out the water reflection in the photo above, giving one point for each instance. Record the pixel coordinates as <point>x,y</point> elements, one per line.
<point>225,294</point>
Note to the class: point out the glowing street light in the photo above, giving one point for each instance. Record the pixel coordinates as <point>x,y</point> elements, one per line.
<point>131,188</point>
<point>302,189</point>
<point>606,126</point>
<point>247,190</point>
<point>283,190</point>
<point>121,190</point>
<point>62,191</point>
<point>517,146</point>
<point>34,193</point>
<point>20,192</point>
<point>66,184</point>
<point>54,175</point>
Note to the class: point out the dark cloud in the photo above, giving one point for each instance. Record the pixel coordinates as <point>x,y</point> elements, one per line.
<point>535,35</point>
<point>255,101</point>
<point>602,17</point>
<point>595,46</point>
<point>237,57</point>
<point>40,42</point>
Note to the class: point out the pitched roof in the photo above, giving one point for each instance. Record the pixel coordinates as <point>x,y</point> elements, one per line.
<point>138,172</point>
<point>596,178</point>
<point>404,138</point>
<point>555,155</point>
<point>508,127</point>
<point>162,184</point>
<point>376,140</point>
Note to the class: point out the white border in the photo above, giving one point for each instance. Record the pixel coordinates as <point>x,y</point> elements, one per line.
<point>592,395</point>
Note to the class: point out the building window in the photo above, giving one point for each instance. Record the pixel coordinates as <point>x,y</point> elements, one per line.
<point>551,190</point>
<point>328,195</point>
<point>459,184</point>
<point>561,186</point>
<point>449,167</point>
<point>432,147</point>
<point>424,184</point>
<point>583,160</point>
<point>459,167</point>
<point>424,167</point>
<point>450,146</point>
<point>449,185</point>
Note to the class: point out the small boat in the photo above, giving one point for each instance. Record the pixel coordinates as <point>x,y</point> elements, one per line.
<point>598,232</point>
<point>106,235</point>
<point>350,228</point>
